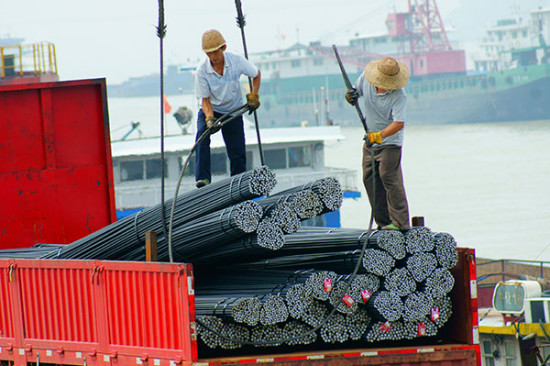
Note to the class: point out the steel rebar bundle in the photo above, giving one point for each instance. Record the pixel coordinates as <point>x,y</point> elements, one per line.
<point>267,335</point>
<point>208,326</point>
<point>417,306</point>
<point>363,286</point>
<point>335,330</point>
<point>214,230</point>
<point>273,310</point>
<point>342,262</point>
<point>400,281</point>
<point>286,217</point>
<point>419,239</point>
<point>127,235</point>
<point>442,309</point>
<point>439,283</point>
<point>241,309</point>
<point>298,297</point>
<point>297,332</point>
<point>445,250</point>
<point>357,323</point>
<point>392,241</point>
<point>270,235</point>
<point>378,262</point>
<point>386,305</point>
<point>328,189</point>
<point>209,282</point>
<point>315,312</point>
<point>321,283</point>
<point>35,252</point>
<point>403,295</point>
<point>421,265</point>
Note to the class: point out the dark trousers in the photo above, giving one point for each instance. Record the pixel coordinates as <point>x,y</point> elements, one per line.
<point>390,200</point>
<point>233,136</point>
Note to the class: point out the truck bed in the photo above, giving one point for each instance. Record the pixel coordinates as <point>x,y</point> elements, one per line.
<point>79,312</point>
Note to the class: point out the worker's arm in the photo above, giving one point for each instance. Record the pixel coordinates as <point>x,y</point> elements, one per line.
<point>209,113</point>
<point>207,107</point>
<point>256,82</point>
<point>392,129</point>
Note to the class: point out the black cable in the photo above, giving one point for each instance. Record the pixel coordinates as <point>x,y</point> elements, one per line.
<point>161,33</point>
<point>219,123</point>
<point>241,23</point>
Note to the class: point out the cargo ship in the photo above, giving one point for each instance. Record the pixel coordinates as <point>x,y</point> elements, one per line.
<point>510,80</point>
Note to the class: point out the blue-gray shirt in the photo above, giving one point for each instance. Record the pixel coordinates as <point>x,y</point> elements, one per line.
<point>382,109</point>
<point>224,90</point>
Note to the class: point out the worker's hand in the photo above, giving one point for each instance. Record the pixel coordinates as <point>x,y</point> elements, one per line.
<point>352,96</point>
<point>211,124</point>
<point>253,101</point>
<point>373,138</point>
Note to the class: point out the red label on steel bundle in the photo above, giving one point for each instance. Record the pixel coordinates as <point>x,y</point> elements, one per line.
<point>328,284</point>
<point>421,329</point>
<point>435,314</point>
<point>366,295</point>
<point>348,300</point>
<point>385,327</point>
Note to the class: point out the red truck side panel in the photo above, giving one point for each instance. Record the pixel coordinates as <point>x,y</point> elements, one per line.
<point>96,313</point>
<point>55,162</point>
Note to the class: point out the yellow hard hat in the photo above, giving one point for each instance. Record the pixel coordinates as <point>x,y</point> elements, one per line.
<point>212,40</point>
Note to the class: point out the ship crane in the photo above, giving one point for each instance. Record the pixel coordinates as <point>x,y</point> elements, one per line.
<point>421,38</point>
<point>427,32</point>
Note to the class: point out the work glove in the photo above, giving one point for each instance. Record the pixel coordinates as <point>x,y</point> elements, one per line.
<point>212,125</point>
<point>352,96</point>
<point>373,138</point>
<point>253,101</point>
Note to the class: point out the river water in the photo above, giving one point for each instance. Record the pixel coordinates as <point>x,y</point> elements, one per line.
<point>487,184</point>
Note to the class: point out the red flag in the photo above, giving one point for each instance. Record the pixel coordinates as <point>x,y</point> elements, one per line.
<point>167,106</point>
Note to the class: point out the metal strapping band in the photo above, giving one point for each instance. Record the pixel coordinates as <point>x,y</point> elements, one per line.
<point>135,226</point>
<point>362,235</point>
<point>223,229</point>
<point>239,187</point>
<point>231,189</point>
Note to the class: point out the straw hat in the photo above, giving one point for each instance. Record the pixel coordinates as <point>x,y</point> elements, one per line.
<point>212,40</point>
<point>387,73</point>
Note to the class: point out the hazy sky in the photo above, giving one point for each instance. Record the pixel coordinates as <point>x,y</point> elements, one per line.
<point>116,39</point>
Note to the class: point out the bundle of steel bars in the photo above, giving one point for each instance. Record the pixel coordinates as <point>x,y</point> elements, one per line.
<point>277,282</point>
<point>124,239</point>
<point>400,292</point>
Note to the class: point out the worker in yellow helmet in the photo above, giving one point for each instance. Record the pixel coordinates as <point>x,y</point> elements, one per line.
<point>217,85</point>
<point>382,86</point>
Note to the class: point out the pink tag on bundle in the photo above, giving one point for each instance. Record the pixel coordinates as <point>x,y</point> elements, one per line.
<point>366,295</point>
<point>435,314</point>
<point>385,327</point>
<point>421,327</point>
<point>328,284</point>
<point>348,300</point>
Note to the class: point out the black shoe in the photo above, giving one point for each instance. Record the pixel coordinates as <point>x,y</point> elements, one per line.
<point>202,182</point>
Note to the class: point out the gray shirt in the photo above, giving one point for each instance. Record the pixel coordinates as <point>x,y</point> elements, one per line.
<point>382,109</point>
<point>224,90</point>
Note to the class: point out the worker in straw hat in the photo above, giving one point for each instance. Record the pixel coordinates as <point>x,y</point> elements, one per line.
<point>218,87</point>
<point>382,86</point>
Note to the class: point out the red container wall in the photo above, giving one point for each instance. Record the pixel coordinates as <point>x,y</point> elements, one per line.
<point>94,312</point>
<point>55,162</point>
